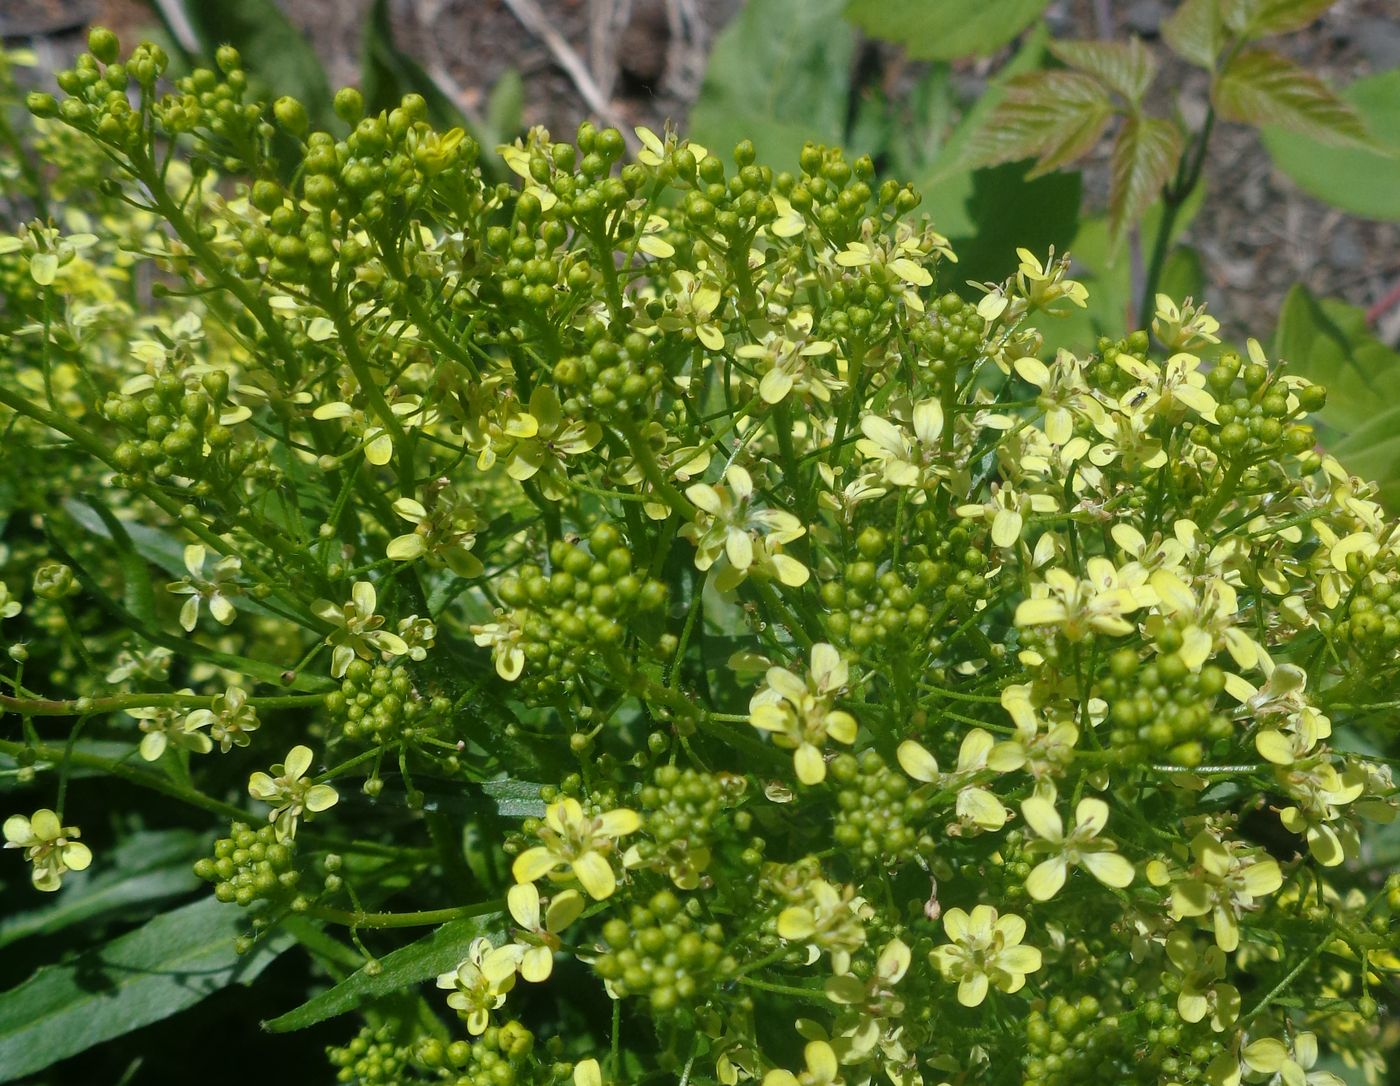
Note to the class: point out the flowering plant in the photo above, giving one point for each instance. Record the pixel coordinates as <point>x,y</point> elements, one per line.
<point>938,710</point>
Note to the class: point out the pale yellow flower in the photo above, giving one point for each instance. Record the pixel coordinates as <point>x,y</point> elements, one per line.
<point>1097,604</point>
<point>799,712</point>
<point>985,951</point>
<point>291,793</point>
<point>579,842</point>
<point>1082,846</point>
<point>52,847</point>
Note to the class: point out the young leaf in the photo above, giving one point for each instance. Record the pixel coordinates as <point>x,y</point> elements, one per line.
<point>1361,181</point>
<point>779,74</point>
<point>1261,87</point>
<point>1194,32</point>
<point>168,964</point>
<point>1328,341</point>
<point>1052,116</point>
<point>946,29</point>
<point>1144,157</point>
<point>409,965</point>
<point>1126,67</point>
<point>1257,18</point>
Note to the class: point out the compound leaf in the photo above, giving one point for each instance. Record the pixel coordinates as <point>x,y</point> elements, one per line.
<point>1126,67</point>
<point>1144,156</point>
<point>1261,87</point>
<point>1054,117</point>
<point>1194,32</point>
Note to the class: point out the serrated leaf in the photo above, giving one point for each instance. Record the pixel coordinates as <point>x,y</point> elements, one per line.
<point>1256,18</point>
<point>1364,182</point>
<point>164,966</point>
<point>1261,87</point>
<point>945,29</point>
<point>1053,117</point>
<point>1145,156</point>
<point>1328,341</point>
<point>1194,32</point>
<point>779,74</point>
<point>147,867</point>
<point>1126,67</point>
<point>409,965</point>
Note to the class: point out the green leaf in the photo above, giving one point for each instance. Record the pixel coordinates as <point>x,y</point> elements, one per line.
<point>945,29</point>
<point>168,964</point>
<point>427,957</point>
<point>1362,181</point>
<point>505,108</point>
<point>272,49</point>
<point>1194,32</point>
<point>778,74</point>
<point>387,73</point>
<point>1145,156</point>
<point>515,799</point>
<point>1054,117</point>
<point>1260,87</point>
<point>1126,67</point>
<point>1329,342</point>
<point>1258,18</point>
<point>147,867</point>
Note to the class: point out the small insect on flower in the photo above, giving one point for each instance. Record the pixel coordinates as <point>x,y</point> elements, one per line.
<point>53,848</point>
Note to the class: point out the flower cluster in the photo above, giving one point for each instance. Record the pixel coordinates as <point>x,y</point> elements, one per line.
<point>751,654</point>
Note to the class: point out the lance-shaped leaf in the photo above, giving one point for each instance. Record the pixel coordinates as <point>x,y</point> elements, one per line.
<point>1144,157</point>
<point>1260,87</point>
<point>1054,117</point>
<point>1194,32</point>
<point>1126,67</point>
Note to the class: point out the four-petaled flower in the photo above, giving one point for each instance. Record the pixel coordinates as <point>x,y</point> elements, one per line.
<point>291,793</point>
<point>904,462</point>
<point>479,983</point>
<point>229,718</point>
<point>985,951</point>
<point>1203,991</point>
<point>1227,881</point>
<point>1094,604</point>
<point>166,727</point>
<point>542,454</point>
<point>1082,846</point>
<point>979,753</point>
<point>578,841</point>
<point>798,712</point>
<point>357,628</point>
<point>52,847</point>
<point>727,525</point>
<point>214,590</point>
<point>822,1069</point>
<point>537,938</point>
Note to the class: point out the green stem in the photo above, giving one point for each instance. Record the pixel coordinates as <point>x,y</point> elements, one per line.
<point>425,918</point>
<point>117,768</point>
<point>118,702</point>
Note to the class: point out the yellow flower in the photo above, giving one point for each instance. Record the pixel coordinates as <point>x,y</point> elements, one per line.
<point>1061,389</point>
<point>580,842</point>
<point>1226,882</point>
<point>829,918</point>
<point>214,590</point>
<point>52,847</point>
<point>822,1069</point>
<point>693,302</point>
<point>290,793</point>
<point>1169,389</point>
<point>479,983</point>
<point>1079,607</point>
<point>978,754</point>
<point>1210,619</point>
<point>1082,846</point>
<point>1202,989</point>
<point>799,712</point>
<point>542,455</point>
<point>727,525</point>
<point>1184,327</point>
<point>539,932</point>
<point>503,637</point>
<point>1006,509</point>
<point>357,628</point>
<point>904,462</point>
<point>985,951</point>
<point>444,534</point>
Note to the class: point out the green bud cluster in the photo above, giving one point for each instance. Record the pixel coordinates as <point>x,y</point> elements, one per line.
<point>380,703</point>
<point>174,433</point>
<point>663,952</point>
<point>250,866</point>
<point>502,1056</point>
<point>1162,708</point>
<point>901,609</point>
<point>370,1058</point>
<point>1369,618</point>
<point>951,337</point>
<point>687,815</point>
<point>1069,1042</point>
<point>880,817</point>
<point>592,597</point>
